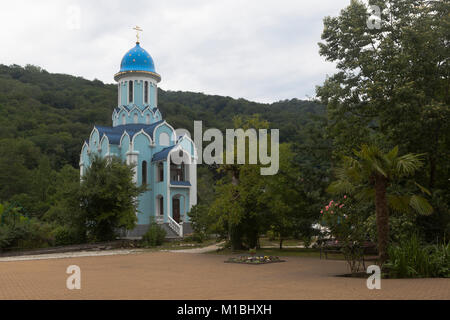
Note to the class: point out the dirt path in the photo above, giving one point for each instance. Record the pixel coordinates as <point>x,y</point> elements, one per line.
<point>77,254</point>
<point>213,247</point>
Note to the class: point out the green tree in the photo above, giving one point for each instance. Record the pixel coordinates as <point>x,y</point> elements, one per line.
<point>370,175</point>
<point>236,204</point>
<point>108,198</point>
<point>286,200</point>
<point>392,84</point>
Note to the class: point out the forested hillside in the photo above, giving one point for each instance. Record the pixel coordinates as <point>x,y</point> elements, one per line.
<point>56,112</point>
<point>44,119</point>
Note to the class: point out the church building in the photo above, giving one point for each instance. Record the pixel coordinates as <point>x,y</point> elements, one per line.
<point>140,136</point>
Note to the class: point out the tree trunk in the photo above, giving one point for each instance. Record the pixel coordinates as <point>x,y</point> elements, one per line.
<point>236,238</point>
<point>382,215</point>
<point>234,231</point>
<point>281,243</point>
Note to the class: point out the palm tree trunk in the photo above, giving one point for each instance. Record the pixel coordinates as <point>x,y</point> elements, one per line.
<point>382,215</point>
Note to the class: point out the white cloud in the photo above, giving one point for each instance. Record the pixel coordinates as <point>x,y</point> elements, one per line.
<point>259,50</point>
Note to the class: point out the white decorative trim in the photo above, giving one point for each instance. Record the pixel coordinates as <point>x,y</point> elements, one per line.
<point>133,107</point>
<point>185,136</point>
<point>179,186</point>
<point>121,138</point>
<point>92,132</point>
<point>145,134</point>
<point>174,139</point>
<point>101,142</point>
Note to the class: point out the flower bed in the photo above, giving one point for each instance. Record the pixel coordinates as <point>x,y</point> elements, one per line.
<point>254,259</point>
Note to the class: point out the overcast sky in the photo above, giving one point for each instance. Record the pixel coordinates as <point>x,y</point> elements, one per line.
<point>258,50</point>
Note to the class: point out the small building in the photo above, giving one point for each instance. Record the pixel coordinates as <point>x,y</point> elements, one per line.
<point>139,135</point>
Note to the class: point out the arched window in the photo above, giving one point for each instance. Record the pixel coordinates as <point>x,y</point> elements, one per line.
<point>130,91</point>
<point>161,206</point>
<point>135,118</point>
<point>160,172</point>
<point>164,139</point>
<point>147,119</point>
<point>144,172</point>
<point>124,119</point>
<point>146,92</point>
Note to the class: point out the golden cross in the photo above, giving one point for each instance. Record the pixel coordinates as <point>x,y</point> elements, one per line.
<point>138,29</point>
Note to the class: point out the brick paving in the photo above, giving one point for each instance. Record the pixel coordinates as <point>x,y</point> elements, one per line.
<point>171,275</point>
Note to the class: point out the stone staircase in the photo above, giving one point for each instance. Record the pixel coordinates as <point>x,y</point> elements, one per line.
<point>170,234</point>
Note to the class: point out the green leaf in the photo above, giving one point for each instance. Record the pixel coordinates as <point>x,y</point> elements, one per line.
<point>421,205</point>
<point>423,189</point>
<point>399,203</point>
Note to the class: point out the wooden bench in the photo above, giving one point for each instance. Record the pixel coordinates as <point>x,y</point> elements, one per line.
<point>329,246</point>
<point>332,246</point>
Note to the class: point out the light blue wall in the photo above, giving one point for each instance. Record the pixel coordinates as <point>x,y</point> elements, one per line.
<point>152,96</point>
<point>124,147</point>
<point>142,144</point>
<point>124,94</point>
<point>160,188</point>
<point>138,94</point>
<point>105,147</point>
<point>163,128</point>
<point>188,146</point>
<point>85,157</point>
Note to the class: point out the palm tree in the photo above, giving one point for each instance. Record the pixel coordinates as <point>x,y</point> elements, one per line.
<point>370,174</point>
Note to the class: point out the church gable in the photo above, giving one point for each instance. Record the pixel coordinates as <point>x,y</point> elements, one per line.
<point>142,139</point>
<point>164,135</point>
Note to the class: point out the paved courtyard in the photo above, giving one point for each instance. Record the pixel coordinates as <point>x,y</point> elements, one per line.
<point>176,275</point>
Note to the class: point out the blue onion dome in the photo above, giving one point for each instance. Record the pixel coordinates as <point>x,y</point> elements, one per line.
<point>138,60</point>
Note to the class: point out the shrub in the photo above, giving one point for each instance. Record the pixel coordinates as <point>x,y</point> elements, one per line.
<point>5,236</point>
<point>411,259</point>
<point>65,235</point>
<point>345,224</point>
<point>36,234</point>
<point>155,235</point>
<point>195,237</point>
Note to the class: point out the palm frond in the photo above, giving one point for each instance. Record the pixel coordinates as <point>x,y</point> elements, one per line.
<point>341,187</point>
<point>423,189</point>
<point>406,165</point>
<point>365,194</point>
<point>421,205</point>
<point>379,167</point>
<point>391,155</point>
<point>399,203</point>
<point>390,158</point>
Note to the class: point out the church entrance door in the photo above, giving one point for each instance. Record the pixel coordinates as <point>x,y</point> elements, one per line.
<point>176,209</point>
